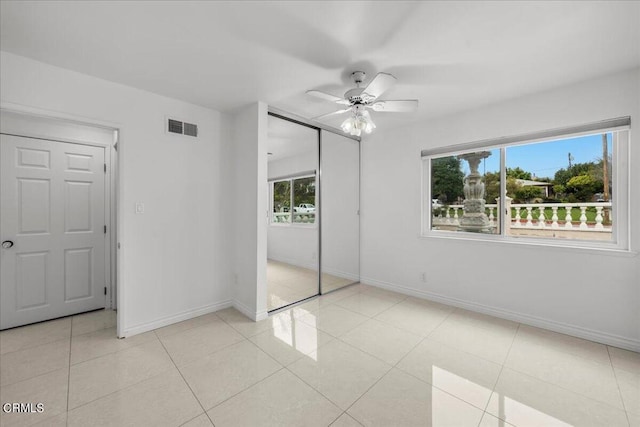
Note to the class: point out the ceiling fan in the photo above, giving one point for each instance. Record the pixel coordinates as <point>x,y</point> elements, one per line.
<point>362,99</point>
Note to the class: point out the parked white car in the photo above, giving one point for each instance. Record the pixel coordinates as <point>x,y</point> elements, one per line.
<point>435,204</point>
<point>304,208</point>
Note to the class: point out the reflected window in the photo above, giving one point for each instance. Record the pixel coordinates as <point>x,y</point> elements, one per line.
<point>293,201</point>
<point>500,405</point>
<point>281,202</point>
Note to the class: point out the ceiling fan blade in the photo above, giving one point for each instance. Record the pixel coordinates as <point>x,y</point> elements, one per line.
<point>327,97</point>
<point>333,113</point>
<point>380,84</point>
<point>400,106</point>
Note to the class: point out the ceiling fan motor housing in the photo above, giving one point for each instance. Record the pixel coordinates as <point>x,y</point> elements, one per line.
<point>357,95</point>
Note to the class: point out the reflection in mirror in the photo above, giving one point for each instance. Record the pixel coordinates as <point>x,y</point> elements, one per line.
<point>292,237</point>
<point>340,222</point>
<point>511,408</point>
<point>296,336</point>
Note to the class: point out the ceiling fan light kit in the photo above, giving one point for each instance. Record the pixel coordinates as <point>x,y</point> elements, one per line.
<point>360,100</point>
<point>358,122</point>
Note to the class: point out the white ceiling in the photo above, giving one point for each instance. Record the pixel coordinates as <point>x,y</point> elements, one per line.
<point>452,56</point>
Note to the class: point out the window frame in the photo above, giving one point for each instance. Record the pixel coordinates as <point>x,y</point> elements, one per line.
<point>290,179</point>
<point>621,135</point>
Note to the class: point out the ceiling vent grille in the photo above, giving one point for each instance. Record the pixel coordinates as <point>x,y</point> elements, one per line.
<point>182,128</point>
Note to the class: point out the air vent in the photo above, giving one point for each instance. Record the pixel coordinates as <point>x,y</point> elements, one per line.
<point>190,129</point>
<point>182,128</point>
<point>175,126</point>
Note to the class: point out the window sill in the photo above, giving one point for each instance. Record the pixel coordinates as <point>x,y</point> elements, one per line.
<point>295,225</point>
<point>574,247</point>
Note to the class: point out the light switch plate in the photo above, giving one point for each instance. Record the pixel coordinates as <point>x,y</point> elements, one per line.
<point>139,208</point>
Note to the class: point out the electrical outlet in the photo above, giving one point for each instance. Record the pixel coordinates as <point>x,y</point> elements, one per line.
<point>424,277</point>
<point>313,256</point>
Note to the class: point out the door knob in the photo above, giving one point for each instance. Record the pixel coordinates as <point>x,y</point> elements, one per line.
<point>7,244</point>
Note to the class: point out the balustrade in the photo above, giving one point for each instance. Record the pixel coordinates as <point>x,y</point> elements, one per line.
<point>298,217</point>
<point>536,218</point>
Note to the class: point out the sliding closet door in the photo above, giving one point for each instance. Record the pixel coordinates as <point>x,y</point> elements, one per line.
<point>340,216</point>
<point>292,238</point>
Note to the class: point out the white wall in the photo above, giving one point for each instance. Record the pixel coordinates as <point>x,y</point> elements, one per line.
<point>249,210</point>
<point>174,256</point>
<point>590,294</point>
<point>304,162</point>
<point>294,244</point>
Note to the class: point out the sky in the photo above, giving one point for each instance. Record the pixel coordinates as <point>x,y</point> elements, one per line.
<point>545,158</point>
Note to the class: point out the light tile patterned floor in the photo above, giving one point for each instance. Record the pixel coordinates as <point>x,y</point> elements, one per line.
<point>359,356</point>
<point>288,283</point>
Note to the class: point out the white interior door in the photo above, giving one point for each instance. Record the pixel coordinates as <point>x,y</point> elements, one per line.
<point>53,211</point>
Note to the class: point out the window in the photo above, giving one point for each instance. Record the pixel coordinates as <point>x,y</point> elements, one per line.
<point>566,186</point>
<point>294,200</point>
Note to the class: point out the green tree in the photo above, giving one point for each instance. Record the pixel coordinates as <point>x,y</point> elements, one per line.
<point>492,186</point>
<point>281,196</point>
<point>562,176</point>
<point>512,187</point>
<point>586,179</point>
<point>528,193</point>
<point>583,187</point>
<point>304,190</point>
<point>446,179</point>
<point>518,173</point>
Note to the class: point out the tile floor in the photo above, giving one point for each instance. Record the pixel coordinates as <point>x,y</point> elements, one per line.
<point>358,356</point>
<point>288,283</point>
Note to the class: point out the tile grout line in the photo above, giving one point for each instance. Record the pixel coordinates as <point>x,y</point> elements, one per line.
<point>345,414</point>
<point>311,386</point>
<point>615,376</point>
<point>226,347</point>
<point>183,379</point>
<point>584,396</point>
<point>420,379</point>
<point>372,296</point>
<point>197,416</point>
<point>315,389</point>
<point>31,347</point>
<point>189,328</point>
<point>245,389</point>
<point>502,365</point>
<point>113,352</point>
<point>121,389</point>
<point>394,366</point>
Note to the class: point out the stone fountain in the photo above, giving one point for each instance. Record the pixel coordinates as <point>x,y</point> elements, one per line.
<point>473,218</point>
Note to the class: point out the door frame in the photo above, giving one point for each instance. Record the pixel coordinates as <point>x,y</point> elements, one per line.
<point>67,124</point>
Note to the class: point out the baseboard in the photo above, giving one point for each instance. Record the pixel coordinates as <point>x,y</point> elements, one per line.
<point>341,274</point>
<point>255,316</point>
<point>563,328</point>
<point>314,267</point>
<point>185,315</point>
<point>261,315</point>
<point>295,262</point>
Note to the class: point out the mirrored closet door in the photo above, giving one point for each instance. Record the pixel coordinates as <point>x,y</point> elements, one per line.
<point>292,237</point>
<point>340,216</point>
